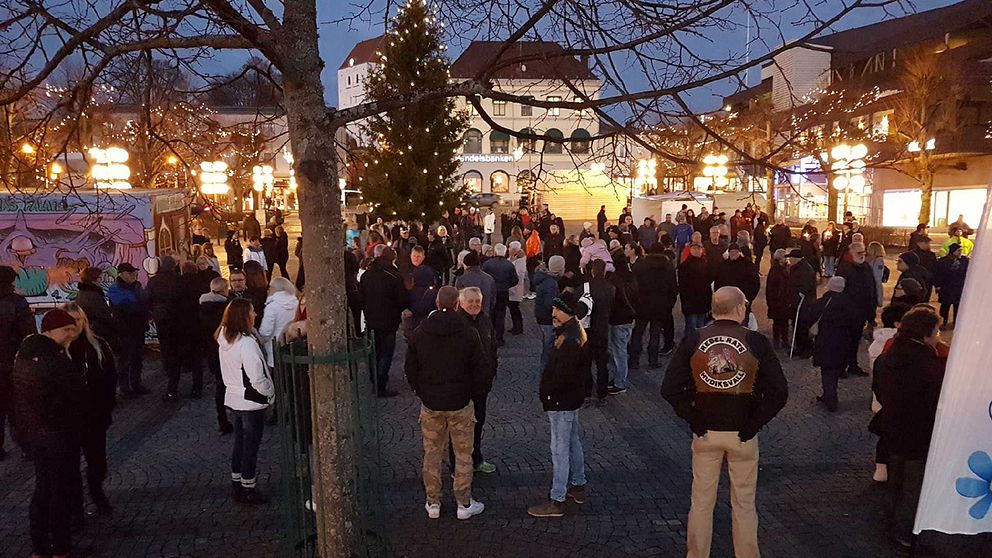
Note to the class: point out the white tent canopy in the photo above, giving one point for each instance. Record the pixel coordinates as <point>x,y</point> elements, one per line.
<point>658,205</point>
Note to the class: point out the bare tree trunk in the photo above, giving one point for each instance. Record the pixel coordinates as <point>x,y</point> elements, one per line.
<point>926,193</point>
<point>831,199</point>
<point>311,134</point>
<point>770,206</point>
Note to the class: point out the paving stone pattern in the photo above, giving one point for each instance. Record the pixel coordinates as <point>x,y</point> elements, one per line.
<point>169,479</point>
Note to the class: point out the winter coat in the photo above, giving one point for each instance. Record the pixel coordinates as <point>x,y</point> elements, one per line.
<point>100,378</point>
<point>16,323</point>
<point>840,323</point>
<point>780,236</point>
<point>256,255</point>
<point>167,296</point>
<point>384,296</point>
<point>603,294</point>
<point>533,246</point>
<point>189,302</point>
<point>802,280</point>
<point>738,273</point>
<point>624,308</point>
<point>129,307</point>
<point>246,377</point>
<point>596,251</point>
<point>657,286</point>
<point>647,236</point>
<point>553,246</point>
<point>949,279</point>
<point>546,288</point>
<point>269,249</point>
<point>682,234</point>
<point>49,393</point>
<point>211,313</point>
<point>439,255</point>
<point>445,364</point>
<point>927,259</point>
<point>483,325</point>
<point>475,277</point>
<point>93,302</point>
<point>714,253</point>
<point>861,286</point>
<point>573,257</point>
<point>907,381</point>
<point>280,311</point>
<point>779,293</point>
<point>281,252</point>
<point>250,227</point>
<point>503,272</point>
<point>423,295</point>
<point>566,380</point>
<point>235,252</point>
<point>695,287</point>
<point>921,276</point>
<point>811,253</point>
<point>966,246</point>
<point>830,244</point>
<point>523,280</point>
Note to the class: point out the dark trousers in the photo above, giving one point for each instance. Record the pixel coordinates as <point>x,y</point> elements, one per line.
<point>655,328</point>
<point>828,380</point>
<point>759,253</point>
<point>881,451</point>
<point>780,333</point>
<point>248,427</point>
<point>385,345</point>
<point>56,472</point>
<point>499,314</point>
<point>853,351</point>
<point>906,480</point>
<point>480,421</point>
<point>945,311</point>
<point>130,361</point>
<point>213,362</point>
<point>6,400</point>
<point>515,316</point>
<point>93,441</point>
<point>599,354</point>
<point>532,264</point>
<point>190,361</point>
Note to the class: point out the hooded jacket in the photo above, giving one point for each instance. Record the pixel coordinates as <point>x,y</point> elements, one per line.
<point>603,293</point>
<point>166,294</point>
<point>840,322</point>
<point>949,279</point>
<point>49,393</point>
<point>861,285</point>
<point>566,377</point>
<point>546,288</point>
<point>739,273</point>
<point>246,378</point>
<point>280,311</point>
<point>423,295</point>
<point>779,293</point>
<point>445,363</point>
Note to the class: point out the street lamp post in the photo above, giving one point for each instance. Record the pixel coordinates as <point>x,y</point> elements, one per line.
<point>848,167</point>
<point>715,168</point>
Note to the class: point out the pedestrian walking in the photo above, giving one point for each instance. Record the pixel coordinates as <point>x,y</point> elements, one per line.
<point>211,314</point>
<point>951,272</point>
<point>384,298</point>
<point>838,321</point>
<point>129,308</point>
<point>94,362</point>
<point>564,384</point>
<point>603,293</point>
<point>505,277</point>
<point>695,287</point>
<point>657,290</point>
<point>280,256</point>
<point>166,296</point>
<point>248,393</point>
<point>727,383</point>
<point>781,299</point>
<point>49,403</point>
<point>446,367</point>
<point>16,323</point>
<point>517,292</point>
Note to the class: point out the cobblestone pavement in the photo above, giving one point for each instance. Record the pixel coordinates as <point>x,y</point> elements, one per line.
<point>168,480</point>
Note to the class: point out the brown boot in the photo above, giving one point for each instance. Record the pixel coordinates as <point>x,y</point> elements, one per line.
<point>547,509</point>
<point>576,494</point>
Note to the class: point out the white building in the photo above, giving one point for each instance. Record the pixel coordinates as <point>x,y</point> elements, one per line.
<point>351,80</point>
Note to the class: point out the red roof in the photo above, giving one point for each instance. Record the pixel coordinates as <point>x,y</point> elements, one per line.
<point>363,53</point>
<point>550,63</point>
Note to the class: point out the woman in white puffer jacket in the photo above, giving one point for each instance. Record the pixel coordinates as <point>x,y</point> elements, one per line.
<point>249,392</point>
<point>280,311</point>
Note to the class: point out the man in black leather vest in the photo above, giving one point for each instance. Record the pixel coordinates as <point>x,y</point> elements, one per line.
<point>727,383</point>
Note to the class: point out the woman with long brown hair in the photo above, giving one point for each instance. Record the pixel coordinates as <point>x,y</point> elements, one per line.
<point>258,288</point>
<point>248,393</point>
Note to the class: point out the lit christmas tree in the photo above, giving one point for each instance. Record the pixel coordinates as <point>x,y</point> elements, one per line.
<point>411,164</point>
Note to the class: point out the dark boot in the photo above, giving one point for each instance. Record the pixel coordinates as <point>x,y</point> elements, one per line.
<point>253,497</point>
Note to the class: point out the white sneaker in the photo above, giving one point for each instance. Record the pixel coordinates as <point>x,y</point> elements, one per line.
<point>475,508</point>
<point>433,510</point>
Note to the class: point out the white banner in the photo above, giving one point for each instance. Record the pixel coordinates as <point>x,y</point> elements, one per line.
<point>957,488</point>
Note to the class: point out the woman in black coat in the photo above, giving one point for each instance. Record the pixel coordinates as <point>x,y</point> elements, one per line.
<point>280,255</point>
<point>779,294</point>
<point>694,288</point>
<point>949,280</point>
<point>839,322</point>
<point>235,252</point>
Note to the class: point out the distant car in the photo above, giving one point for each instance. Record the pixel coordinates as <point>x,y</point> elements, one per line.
<point>484,200</point>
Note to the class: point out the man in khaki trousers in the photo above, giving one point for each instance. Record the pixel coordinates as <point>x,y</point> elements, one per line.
<point>727,383</point>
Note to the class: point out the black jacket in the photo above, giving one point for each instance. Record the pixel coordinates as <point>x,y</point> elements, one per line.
<point>840,324</point>
<point>100,378</point>
<point>907,382</point>
<point>166,295</point>
<point>624,308</point>
<point>483,325</point>
<point>235,252</point>
<point>657,286</point>
<point>445,363</point>
<point>725,378</point>
<point>739,273</point>
<point>714,252</point>
<point>565,379</point>
<point>780,236</point>
<point>831,245</point>
<point>503,273</point>
<point>779,293</point>
<point>16,323</point>
<point>94,303</point>
<point>384,296</point>
<point>802,279</point>
<point>49,394</point>
<point>603,294</point>
<point>949,279</point>
<point>927,259</point>
<point>861,286</point>
<point>921,276</point>
<point>553,246</point>
<point>439,256</point>
<point>694,286</point>
<point>269,249</point>
<point>211,312</point>
<point>281,253</point>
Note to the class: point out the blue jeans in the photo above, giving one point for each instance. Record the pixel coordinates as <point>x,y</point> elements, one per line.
<point>567,458</point>
<point>829,262</point>
<point>248,426</point>
<point>385,346</point>
<point>694,321</point>
<point>619,338</point>
<point>547,343</point>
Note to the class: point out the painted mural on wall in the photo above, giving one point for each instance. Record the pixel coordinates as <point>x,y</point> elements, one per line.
<point>49,239</point>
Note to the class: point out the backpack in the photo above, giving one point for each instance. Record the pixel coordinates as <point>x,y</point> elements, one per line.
<point>885,274</point>
<point>586,298</point>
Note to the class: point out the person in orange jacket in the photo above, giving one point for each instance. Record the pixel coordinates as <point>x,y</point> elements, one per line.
<point>533,248</point>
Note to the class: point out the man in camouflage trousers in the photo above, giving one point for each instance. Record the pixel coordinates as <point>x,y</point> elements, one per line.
<point>446,367</point>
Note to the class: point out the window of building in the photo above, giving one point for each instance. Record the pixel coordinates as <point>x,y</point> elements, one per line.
<point>499,108</point>
<point>554,111</point>
<point>499,142</point>
<point>860,122</point>
<point>499,183</point>
<point>580,141</point>
<point>349,80</point>
<point>528,144</point>
<point>473,141</point>
<point>473,181</point>
<point>880,124</point>
<point>581,113</point>
<point>525,185</point>
<point>527,110</point>
<point>551,146</point>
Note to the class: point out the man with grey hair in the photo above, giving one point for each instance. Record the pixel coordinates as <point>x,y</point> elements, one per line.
<point>715,247</point>
<point>727,383</point>
<point>475,277</point>
<point>861,287</point>
<point>505,277</point>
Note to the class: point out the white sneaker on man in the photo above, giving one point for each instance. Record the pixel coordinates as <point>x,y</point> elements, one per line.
<point>474,508</point>
<point>433,510</point>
